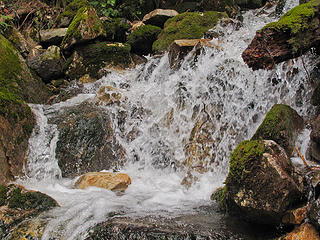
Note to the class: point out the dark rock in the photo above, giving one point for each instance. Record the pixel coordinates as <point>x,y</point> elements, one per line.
<point>295,33</point>
<point>314,213</point>
<point>142,38</point>
<point>230,7</point>
<point>90,58</point>
<point>315,99</point>
<point>250,4</point>
<point>86,141</point>
<point>18,204</point>
<point>52,36</point>
<point>158,17</point>
<point>116,29</point>
<point>49,64</point>
<point>261,185</point>
<point>282,124</point>
<point>315,140</point>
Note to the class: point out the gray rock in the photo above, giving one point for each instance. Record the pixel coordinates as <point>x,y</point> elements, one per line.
<point>48,64</point>
<point>87,141</point>
<point>159,16</point>
<point>52,36</point>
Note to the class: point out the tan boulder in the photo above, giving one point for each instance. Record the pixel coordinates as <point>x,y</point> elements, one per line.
<point>108,95</point>
<point>159,16</point>
<point>180,49</point>
<point>111,181</point>
<point>304,232</point>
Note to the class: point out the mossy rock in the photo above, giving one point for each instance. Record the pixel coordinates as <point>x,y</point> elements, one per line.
<point>116,29</point>
<point>70,12</point>
<point>17,86</point>
<point>141,40</point>
<point>282,124</point>
<point>261,185</point>
<point>189,25</point>
<point>84,27</point>
<point>90,58</point>
<point>300,23</point>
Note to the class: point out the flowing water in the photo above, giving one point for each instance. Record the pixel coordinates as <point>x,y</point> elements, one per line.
<point>163,106</point>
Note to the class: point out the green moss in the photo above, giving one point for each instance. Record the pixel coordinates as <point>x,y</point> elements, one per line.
<point>279,125</point>
<point>141,40</point>
<point>189,25</point>
<point>220,197</point>
<point>116,29</point>
<point>72,9</point>
<point>3,194</point>
<point>246,153</point>
<point>30,200</point>
<point>298,23</point>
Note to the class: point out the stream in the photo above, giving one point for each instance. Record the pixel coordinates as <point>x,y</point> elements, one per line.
<point>217,86</point>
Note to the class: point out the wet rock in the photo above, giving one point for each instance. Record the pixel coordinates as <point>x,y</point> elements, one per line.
<point>108,95</point>
<point>180,48</point>
<point>18,204</point>
<point>295,216</point>
<point>304,232</point>
<point>87,141</point>
<point>261,185</point>
<point>159,16</point>
<point>295,33</point>
<point>52,36</point>
<point>111,181</point>
<point>315,140</point>
<point>85,26</point>
<point>142,38</point>
<point>49,64</point>
<point>315,99</point>
<point>29,229</point>
<point>282,124</point>
<point>188,25</point>
<point>314,213</point>
<point>90,58</point>
<point>18,86</point>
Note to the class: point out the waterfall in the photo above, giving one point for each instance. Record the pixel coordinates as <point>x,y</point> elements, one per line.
<point>163,107</point>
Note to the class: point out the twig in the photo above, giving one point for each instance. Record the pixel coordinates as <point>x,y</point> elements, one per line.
<point>25,19</point>
<point>302,158</point>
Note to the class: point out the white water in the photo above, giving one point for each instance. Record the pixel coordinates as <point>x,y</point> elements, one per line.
<point>236,100</point>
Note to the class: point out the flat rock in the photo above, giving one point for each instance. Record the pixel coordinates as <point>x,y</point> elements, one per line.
<point>159,16</point>
<point>111,181</point>
<point>53,36</point>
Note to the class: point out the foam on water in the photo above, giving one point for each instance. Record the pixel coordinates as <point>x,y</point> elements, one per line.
<point>234,98</point>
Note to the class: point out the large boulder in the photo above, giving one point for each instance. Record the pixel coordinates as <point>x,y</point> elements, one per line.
<point>188,25</point>
<point>159,16</point>
<point>48,64</point>
<point>261,185</point>
<point>18,204</point>
<point>84,27</point>
<point>90,58</point>
<point>295,33</point>
<point>107,180</point>
<point>17,86</point>
<point>304,232</point>
<point>87,141</point>
<point>142,38</point>
<point>315,140</point>
<point>282,124</point>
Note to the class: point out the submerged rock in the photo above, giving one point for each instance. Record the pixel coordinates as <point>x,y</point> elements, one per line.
<point>282,124</point>
<point>159,16</point>
<point>295,33</point>
<point>18,204</point>
<point>188,25</point>
<point>261,185</point>
<point>87,141</point>
<point>111,181</point>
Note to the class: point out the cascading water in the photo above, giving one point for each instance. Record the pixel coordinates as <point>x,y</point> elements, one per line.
<point>163,107</point>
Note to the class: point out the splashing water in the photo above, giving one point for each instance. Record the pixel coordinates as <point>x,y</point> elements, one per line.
<point>164,106</point>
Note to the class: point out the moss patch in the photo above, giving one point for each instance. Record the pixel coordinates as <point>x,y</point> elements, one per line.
<point>142,39</point>
<point>298,23</point>
<point>242,157</point>
<point>72,9</point>
<point>280,125</point>
<point>187,25</point>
